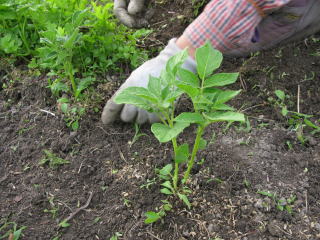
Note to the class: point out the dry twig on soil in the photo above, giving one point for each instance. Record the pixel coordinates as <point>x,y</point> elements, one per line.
<point>79,209</point>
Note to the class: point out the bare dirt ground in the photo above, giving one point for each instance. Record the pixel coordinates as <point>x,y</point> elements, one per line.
<point>256,181</point>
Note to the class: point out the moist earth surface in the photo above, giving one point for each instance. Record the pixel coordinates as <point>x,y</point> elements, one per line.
<point>257,180</point>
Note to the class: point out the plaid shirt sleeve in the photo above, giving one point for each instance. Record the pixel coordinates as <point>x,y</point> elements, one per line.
<point>229,24</point>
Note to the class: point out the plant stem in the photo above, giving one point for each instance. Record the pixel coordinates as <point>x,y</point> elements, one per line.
<point>69,70</point>
<point>22,33</point>
<point>176,165</point>
<point>194,153</point>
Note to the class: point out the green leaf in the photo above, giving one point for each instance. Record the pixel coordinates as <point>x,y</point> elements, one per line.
<point>188,77</point>
<point>203,144</point>
<point>135,91</point>
<point>202,100</point>
<point>191,91</point>
<point>222,107</point>
<point>64,224</point>
<point>83,84</point>
<point>63,100</point>
<point>72,39</point>
<point>64,107</point>
<point>224,116</point>
<point>182,153</point>
<point>154,85</point>
<point>10,43</point>
<point>264,193</point>
<point>173,95</point>
<point>189,118</point>
<point>164,133</point>
<point>17,233</point>
<point>167,207</point>
<point>284,111</point>
<point>208,59</point>
<point>137,96</point>
<point>75,125</point>
<point>311,124</point>
<point>168,185</point>
<point>166,170</point>
<point>221,79</point>
<point>185,199</point>
<point>288,209</point>
<point>166,191</point>
<point>280,94</point>
<point>225,96</point>
<point>211,93</point>
<point>151,217</point>
<point>176,61</point>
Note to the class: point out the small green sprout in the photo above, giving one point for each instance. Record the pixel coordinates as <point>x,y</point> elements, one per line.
<point>13,232</point>
<point>282,204</point>
<point>64,224</point>
<point>52,160</point>
<point>137,135</point>
<point>149,183</point>
<point>127,202</point>
<point>72,115</point>
<point>54,209</point>
<point>115,236</point>
<point>297,121</point>
<point>155,216</point>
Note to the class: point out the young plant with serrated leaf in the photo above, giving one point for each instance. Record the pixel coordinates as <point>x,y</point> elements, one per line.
<point>209,103</point>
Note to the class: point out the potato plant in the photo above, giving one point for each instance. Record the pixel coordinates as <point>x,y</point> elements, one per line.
<point>209,103</point>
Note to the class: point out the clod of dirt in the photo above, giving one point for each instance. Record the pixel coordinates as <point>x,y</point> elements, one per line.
<point>275,228</point>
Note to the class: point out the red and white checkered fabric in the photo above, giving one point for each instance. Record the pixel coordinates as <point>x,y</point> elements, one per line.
<point>228,24</point>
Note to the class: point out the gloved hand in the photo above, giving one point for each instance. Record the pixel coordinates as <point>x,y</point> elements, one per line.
<point>133,15</point>
<point>140,78</point>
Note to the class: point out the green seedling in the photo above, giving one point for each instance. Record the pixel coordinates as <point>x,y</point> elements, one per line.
<point>10,230</point>
<point>51,159</point>
<point>96,220</point>
<point>116,235</point>
<point>246,183</point>
<point>282,204</point>
<point>209,103</point>
<point>296,121</point>
<point>149,183</point>
<point>54,209</point>
<point>245,127</point>
<point>64,224</point>
<point>281,103</point>
<point>72,115</point>
<point>155,216</point>
<point>137,135</point>
<point>24,130</point>
<point>127,202</point>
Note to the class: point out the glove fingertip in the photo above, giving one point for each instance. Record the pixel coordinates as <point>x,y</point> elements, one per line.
<point>128,113</point>
<point>110,112</point>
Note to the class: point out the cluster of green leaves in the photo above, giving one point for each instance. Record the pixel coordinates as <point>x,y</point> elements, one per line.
<point>282,204</point>
<point>10,230</point>
<point>72,114</point>
<point>209,103</point>
<point>52,160</point>
<point>73,39</point>
<point>296,121</point>
<point>155,216</point>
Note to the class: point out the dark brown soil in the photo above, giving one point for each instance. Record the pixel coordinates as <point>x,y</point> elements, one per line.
<point>240,160</point>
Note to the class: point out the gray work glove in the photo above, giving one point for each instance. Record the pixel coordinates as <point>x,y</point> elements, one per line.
<point>140,78</point>
<point>132,13</point>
